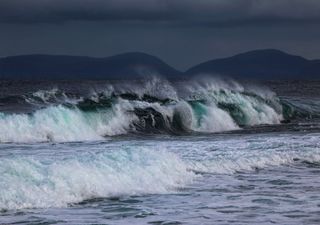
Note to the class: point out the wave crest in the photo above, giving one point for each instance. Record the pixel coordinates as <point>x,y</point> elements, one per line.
<point>154,106</point>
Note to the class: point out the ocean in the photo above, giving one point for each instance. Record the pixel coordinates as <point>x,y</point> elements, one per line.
<point>200,151</point>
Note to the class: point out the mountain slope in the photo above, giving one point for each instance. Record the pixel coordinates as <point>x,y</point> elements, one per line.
<point>261,64</point>
<point>123,66</point>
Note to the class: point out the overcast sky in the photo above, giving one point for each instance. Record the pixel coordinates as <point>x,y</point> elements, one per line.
<point>181,32</point>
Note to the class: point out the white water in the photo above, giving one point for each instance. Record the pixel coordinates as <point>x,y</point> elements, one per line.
<point>42,176</point>
<point>58,123</point>
<point>235,177</point>
<point>27,183</point>
<point>62,124</point>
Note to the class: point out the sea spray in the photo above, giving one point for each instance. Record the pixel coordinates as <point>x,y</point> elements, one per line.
<point>153,106</point>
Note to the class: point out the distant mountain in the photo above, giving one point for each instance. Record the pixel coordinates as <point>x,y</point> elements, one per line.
<point>261,64</point>
<point>123,66</point>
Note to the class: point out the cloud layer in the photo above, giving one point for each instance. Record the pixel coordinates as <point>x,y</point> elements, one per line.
<point>207,12</point>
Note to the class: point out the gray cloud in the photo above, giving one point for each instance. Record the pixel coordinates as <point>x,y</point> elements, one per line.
<point>182,32</point>
<point>206,12</point>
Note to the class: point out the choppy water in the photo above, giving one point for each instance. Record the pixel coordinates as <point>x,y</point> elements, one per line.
<point>160,173</point>
<point>251,178</point>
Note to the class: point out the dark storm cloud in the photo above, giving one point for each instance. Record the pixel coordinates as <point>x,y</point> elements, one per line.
<point>207,12</point>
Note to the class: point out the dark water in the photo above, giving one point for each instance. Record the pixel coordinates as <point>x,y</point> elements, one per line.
<point>154,152</point>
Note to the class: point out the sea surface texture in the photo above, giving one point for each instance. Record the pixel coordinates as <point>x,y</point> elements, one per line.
<point>202,151</point>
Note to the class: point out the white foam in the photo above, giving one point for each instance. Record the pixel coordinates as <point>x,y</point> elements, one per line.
<point>31,183</point>
<point>61,124</point>
<point>133,168</point>
<point>215,120</point>
<point>258,106</point>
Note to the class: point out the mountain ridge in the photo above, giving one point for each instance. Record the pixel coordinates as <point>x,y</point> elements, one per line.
<point>269,63</point>
<point>131,65</point>
<point>257,64</point>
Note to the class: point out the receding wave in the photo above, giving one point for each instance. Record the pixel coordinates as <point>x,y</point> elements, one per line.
<point>155,106</point>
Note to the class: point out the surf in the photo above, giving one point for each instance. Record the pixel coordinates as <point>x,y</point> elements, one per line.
<point>154,106</point>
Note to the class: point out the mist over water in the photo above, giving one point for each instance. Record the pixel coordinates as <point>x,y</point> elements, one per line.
<point>205,151</point>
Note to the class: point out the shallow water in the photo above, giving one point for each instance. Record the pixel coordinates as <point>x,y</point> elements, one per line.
<point>269,178</point>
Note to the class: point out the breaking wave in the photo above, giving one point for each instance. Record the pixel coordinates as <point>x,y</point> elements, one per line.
<point>35,183</point>
<point>113,170</point>
<point>154,106</point>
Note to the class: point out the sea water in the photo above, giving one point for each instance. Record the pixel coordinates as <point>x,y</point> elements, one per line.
<point>196,153</point>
